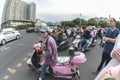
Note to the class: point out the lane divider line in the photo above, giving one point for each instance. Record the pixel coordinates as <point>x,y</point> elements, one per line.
<point>30,54</point>
<point>25,59</point>
<point>11,70</point>
<point>6,77</point>
<point>19,65</point>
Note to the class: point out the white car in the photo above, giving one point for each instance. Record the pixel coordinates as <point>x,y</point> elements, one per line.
<point>8,34</point>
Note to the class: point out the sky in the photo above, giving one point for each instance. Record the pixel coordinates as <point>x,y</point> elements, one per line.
<point>58,10</point>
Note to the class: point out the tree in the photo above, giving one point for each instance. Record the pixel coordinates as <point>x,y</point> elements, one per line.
<point>92,22</point>
<point>118,24</point>
<point>69,23</point>
<point>83,22</point>
<point>103,23</point>
<point>76,21</point>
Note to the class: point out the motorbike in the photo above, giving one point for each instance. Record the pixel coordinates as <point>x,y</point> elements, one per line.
<point>63,45</point>
<point>66,66</point>
<point>75,44</point>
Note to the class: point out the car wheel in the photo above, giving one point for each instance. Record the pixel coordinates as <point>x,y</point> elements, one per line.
<point>18,37</point>
<point>3,42</point>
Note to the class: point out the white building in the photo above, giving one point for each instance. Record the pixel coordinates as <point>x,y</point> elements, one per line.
<point>15,10</point>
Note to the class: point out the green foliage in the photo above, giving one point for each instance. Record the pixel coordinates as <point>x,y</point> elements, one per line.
<point>92,22</point>
<point>76,21</point>
<point>68,23</point>
<point>20,27</point>
<point>83,22</point>
<point>103,23</point>
<point>118,24</point>
<point>32,24</point>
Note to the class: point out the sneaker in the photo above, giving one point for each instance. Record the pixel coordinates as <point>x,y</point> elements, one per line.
<point>82,50</point>
<point>39,79</point>
<point>95,71</point>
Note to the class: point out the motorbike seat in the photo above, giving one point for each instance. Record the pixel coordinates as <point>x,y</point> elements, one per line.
<point>63,60</point>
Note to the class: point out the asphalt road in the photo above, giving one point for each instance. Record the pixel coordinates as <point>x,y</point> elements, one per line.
<point>14,54</point>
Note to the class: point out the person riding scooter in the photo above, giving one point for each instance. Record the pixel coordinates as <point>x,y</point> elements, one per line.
<point>59,35</point>
<point>85,39</point>
<point>62,42</point>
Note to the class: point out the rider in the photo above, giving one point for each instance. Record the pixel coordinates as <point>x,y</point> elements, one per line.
<point>51,51</point>
<point>59,34</point>
<point>86,36</point>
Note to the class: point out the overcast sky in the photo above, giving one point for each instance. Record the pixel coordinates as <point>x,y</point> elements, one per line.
<point>53,10</point>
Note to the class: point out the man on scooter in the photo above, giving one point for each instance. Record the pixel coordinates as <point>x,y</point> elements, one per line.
<point>51,51</point>
<point>85,38</point>
<point>59,34</point>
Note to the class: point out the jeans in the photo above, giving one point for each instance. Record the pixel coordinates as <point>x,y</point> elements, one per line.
<point>59,40</point>
<point>43,72</point>
<point>86,43</point>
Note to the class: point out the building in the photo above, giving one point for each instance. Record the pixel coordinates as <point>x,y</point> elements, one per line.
<point>18,12</point>
<point>38,24</point>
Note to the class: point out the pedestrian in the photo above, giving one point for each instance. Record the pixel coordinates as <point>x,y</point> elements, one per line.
<point>110,39</point>
<point>50,53</point>
<point>115,61</point>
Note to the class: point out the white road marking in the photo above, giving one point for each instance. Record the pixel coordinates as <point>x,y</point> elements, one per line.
<point>4,48</point>
<point>6,77</point>
<point>11,70</point>
<point>30,54</point>
<point>25,59</point>
<point>19,65</point>
<point>20,44</point>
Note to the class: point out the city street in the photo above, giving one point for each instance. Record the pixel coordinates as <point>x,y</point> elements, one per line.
<point>14,54</point>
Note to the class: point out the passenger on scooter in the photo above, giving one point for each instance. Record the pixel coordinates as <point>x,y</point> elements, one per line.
<point>51,52</point>
<point>59,34</point>
<point>93,35</point>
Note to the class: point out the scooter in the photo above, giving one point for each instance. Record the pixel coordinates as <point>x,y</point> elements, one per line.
<point>75,44</point>
<point>66,67</point>
<point>33,61</point>
<point>63,45</point>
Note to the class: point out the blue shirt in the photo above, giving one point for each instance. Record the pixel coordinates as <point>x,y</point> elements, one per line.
<point>109,45</point>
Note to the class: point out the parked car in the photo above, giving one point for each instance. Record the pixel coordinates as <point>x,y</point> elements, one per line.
<point>8,34</point>
<point>30,29</point>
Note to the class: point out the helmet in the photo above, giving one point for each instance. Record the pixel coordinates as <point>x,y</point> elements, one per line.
<point>44,29</point>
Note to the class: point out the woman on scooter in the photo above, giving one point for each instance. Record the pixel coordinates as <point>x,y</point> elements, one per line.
<point>51,51</point>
